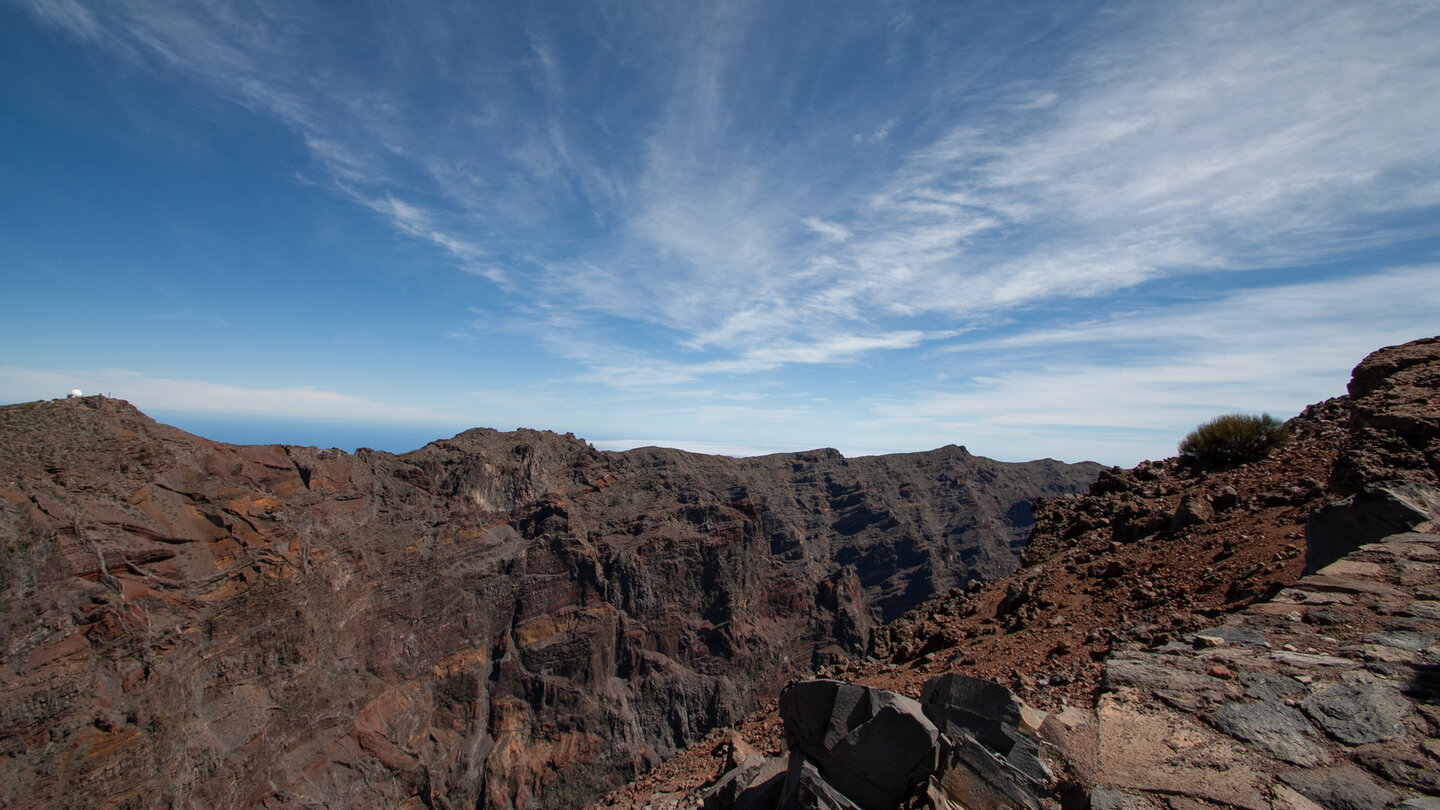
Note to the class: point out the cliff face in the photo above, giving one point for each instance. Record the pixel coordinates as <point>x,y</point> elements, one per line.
<point>508,619</point>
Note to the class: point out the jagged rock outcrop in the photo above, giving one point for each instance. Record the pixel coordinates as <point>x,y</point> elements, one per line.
<point>495,619</point>
<point>1394,424</point>
<point>873,747</point>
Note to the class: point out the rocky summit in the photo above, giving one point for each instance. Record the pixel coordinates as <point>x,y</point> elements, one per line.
<point>1260,637</point>
<point>494,620</point>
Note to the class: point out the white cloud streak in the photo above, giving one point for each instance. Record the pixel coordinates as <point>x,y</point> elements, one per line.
<point>1128,387</point>
<point>20,384</point>
<point>735,235</point>
<point>641,372</point>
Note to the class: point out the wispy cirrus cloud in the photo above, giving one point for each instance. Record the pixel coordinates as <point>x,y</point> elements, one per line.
<point>1209,138</point>
<point>702,193</point>
<point>1223,135</point>
<point>19,384</point>
<point>1191,139</point>
<point>1126,386</point>
<point>641,371</point>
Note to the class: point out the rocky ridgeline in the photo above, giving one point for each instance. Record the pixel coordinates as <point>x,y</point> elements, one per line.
<point>497,619</point>
<point>1265,637</point>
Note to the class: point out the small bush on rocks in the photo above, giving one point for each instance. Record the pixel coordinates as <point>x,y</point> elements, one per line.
<point>1234,438</point>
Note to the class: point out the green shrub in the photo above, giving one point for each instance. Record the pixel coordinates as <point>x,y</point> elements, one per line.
<point>1234,438</point>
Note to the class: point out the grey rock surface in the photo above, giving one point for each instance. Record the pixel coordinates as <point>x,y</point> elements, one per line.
<point>1279,730</point>
<point>1269,686</point>
<point>1358,713</point>
<point>1340,787</point>
<point>1408,640</point>
<point>1236,634</point>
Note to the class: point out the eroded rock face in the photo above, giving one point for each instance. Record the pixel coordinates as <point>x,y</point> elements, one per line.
<point>496,619</point>
<point>1394,420</point>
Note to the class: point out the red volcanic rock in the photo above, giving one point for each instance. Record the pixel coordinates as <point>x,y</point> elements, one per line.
<point>497,619</point>
<point>1395,424</point>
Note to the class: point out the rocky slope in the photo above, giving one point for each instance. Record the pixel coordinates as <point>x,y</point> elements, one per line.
<point>496,619</point>
<point>1165,641</point>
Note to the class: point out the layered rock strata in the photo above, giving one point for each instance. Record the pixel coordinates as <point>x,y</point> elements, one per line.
<point>495,619</point>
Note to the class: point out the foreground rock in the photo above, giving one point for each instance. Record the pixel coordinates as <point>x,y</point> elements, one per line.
<point>495,619</point>
<point>1318,697</point>
<point>853,746</point>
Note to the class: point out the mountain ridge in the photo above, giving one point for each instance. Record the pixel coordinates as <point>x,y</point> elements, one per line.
<point>509,619</point>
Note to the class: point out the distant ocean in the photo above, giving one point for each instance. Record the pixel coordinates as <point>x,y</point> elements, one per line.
<point>345,435</point>
<point>400,438</point>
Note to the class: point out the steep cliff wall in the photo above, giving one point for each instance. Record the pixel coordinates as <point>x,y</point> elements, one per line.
<point>509,619</point>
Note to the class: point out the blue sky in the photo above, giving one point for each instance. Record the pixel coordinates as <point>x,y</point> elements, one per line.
<point>1072,230</point>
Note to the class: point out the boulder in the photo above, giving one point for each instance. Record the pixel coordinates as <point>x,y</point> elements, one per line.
<point>974,777</point>
<point>879,750</point>
<point>986,761</point>
<point>874,746</point>
<point>984,709</point>
<point>1193,510</point>
<point>805,788</point>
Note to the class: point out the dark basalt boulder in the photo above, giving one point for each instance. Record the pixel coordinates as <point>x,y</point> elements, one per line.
<point>874,746</point>
<point>857,746</point>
